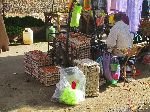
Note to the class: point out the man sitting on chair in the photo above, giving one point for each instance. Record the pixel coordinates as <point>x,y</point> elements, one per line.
<point>119,37</point>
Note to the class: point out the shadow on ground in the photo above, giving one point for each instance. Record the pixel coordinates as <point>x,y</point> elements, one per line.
<point>18,90</point>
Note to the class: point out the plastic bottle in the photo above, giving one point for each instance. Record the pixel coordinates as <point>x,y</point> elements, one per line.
<point>50,30</point>
<point>27,36</point>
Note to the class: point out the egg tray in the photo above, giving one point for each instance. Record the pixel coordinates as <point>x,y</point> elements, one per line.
<point>33,60</point>
<point>49,75</point>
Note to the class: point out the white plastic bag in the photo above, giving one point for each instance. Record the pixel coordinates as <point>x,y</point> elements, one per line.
<point>71,87</point>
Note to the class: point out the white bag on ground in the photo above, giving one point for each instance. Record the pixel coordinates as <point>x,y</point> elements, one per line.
<point>71,87</point>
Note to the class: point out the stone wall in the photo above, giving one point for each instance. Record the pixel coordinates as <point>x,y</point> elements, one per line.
<point>32,7</point>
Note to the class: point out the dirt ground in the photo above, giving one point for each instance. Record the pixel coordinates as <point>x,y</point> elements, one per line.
<point>21,93</point>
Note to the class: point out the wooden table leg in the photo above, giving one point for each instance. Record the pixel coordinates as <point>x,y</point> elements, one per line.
<point>134,71</point>
<point>125,69</point>
<point>124,74</point>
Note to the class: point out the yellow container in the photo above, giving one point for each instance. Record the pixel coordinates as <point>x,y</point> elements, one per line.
<point>27,36</point>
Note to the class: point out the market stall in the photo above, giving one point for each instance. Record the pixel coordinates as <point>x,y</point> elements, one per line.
<point>76,54</point>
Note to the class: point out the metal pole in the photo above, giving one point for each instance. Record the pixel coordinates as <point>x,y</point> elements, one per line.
<point>95,26</point>
<point>68,33</point>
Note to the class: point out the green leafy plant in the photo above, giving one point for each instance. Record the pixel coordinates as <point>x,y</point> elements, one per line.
<point>26,21</point>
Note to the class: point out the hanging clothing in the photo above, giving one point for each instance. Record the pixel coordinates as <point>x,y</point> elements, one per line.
<point>111,19</point>
<point>114,6</point>
<point>108,7</point>
<point>121,5</point>
<point>134,9</point>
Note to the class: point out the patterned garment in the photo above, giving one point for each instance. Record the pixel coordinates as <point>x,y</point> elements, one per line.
<point>134,9</point>
<point>120,36</point>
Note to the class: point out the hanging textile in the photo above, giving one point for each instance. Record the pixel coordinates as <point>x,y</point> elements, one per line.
<point>114,6</point>
<point>108,7</point>
<point>76,14</point>
<point>121,5</point>
<point>87,5</point>
<point>111,19</point>
<point>134,9</point>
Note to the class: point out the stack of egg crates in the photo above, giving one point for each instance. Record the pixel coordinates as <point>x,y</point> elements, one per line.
<point>33,60</point>
<point>80,46</point>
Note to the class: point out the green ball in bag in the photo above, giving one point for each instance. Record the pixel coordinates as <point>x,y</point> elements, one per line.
<point>68,96</point>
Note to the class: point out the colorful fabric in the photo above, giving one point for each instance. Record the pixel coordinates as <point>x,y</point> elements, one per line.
<point>113,5</point>
<point>115,68</point>
<point>108,7</point>
<point>132,8</point>
<point>106,68</point>
<point>111,19</point>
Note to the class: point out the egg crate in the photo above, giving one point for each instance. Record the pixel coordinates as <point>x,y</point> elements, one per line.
<point>35,72</point>
<point>78,44</point>
<point>81,53</point>
<point>49,75</point>
<point>28,70</point>
<point>42,62</point>
<point>97,49</point>
<point>91,71</point>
